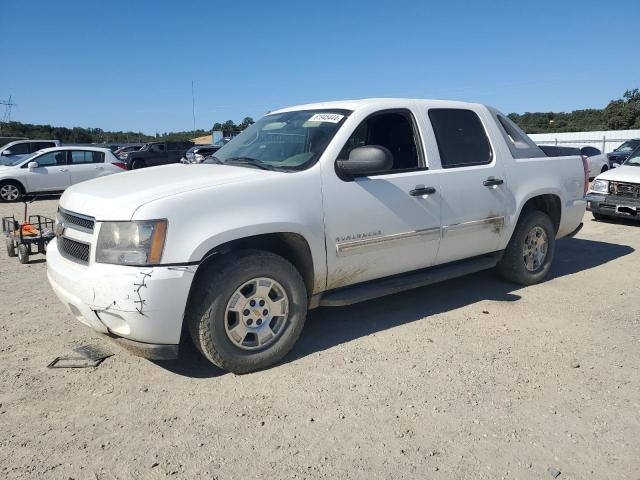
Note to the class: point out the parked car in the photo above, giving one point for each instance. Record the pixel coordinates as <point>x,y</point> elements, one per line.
<point>123,152</point>
<point>620,154</point>
<point>158,153</point>
<point>54,169</point>
<point>616,193</point>
<point>596,163</point>
<point>198,153</point>
<point>14,151</point>
<point>5,140</point>
<point>326,204</point>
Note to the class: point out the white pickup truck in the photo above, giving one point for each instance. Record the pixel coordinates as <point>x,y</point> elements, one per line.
<point>316,205</point>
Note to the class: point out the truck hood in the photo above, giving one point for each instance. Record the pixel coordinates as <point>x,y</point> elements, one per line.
<point>117,197</point>
<point>624,173</point>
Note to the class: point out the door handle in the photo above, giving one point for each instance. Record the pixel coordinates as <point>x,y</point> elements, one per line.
<point>492,182</point>
<point>98,168</point>
<point>64,170</point>
<point>419,191</point>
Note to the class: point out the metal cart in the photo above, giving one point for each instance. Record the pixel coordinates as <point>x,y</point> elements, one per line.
<point>28,237</point>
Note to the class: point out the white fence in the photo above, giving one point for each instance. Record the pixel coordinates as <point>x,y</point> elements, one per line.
<point>604,140</point>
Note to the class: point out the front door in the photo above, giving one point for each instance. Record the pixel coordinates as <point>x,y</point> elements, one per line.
<point>52,173</point>
<point>382,225</point>
<point>475,198</point>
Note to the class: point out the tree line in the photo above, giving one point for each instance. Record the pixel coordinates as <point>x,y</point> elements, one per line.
<point>620,114</point>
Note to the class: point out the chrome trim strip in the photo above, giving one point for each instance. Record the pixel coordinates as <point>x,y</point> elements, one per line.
<point>368,244</point>
<point>495,222</point>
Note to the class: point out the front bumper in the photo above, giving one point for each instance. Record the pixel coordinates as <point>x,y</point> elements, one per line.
<point>143,306</point>
<point>614,206</point>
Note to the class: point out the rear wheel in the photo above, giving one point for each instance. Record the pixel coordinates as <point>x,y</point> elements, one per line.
<point>10,191</point>
<point>604,168</point>
<point>136,164</point>
<point>528,256</point>
<point>247,310</point>
<point>11,247</point>
<point>23,253</point>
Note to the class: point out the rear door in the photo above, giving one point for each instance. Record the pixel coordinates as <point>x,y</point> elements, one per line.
<point>52,173</point>
<point>157,154</point>
<point>475,198</point>
<point>85,165</point>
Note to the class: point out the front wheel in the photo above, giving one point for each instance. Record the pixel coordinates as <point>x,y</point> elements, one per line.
<point>247,310</point>
<point>23,253</point>
<point>528,256</point>
<point>136,164</point>
<point>10,191</point>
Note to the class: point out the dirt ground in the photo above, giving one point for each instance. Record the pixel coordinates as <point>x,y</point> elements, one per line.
<point>472,378</point>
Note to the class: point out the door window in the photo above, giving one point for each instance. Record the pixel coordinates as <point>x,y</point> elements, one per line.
<point>82,157</point>
<point>393,130</point>
<point>461,138</point>
<point>50,159</point>
<point>19,149</point>
<point>157,148</point>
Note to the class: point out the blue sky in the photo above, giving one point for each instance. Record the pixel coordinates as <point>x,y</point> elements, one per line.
<point>128,65</point>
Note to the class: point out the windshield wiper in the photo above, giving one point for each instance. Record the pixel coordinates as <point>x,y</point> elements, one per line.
<point>249,161</point>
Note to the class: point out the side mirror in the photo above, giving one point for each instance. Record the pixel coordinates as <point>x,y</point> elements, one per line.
<point>6,153</point>
<point>32,165</point>
<point>366,160</point>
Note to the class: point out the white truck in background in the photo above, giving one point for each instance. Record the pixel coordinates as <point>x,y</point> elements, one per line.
<point>315,205</point>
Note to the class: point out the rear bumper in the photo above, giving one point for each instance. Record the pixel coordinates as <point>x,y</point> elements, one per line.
<point>614,206</point>
<point>144,307</point>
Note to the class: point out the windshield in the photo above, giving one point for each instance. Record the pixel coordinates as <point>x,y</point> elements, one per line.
<point>634,158</point>
<point>287,141</point>
<point>628,146</point>
<point>22,160</point>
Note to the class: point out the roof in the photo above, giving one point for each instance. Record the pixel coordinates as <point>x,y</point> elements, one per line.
<point>377,102</point>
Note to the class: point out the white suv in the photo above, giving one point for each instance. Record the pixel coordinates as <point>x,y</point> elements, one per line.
<point>54,169</point>
<point>11,152</point>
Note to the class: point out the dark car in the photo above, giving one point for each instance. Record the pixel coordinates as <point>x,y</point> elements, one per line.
<point>123,152</point>
<point>158,153</point>
<point>556,151</point>
<point>198,153</point>
<point>620,154</point>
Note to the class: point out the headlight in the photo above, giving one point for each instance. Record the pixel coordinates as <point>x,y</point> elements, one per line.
<point>600,186</point>
<point>131,243</point>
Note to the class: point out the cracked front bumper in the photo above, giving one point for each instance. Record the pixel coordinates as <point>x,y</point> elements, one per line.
<point>614,206</point>
<point>143,305</point>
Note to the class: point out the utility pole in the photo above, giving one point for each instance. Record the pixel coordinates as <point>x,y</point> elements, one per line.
<point>6,117</point>
<point>193,108</point>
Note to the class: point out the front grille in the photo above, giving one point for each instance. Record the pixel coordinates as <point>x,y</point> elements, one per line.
<point>626,190</point>
<point>73,219</point>
<point>73,250</point>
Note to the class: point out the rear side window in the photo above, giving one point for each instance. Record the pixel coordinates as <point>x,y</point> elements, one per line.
<point>81,157</point>
<point>35,146</point>
<point>462,140</point>
<point>590,151</point>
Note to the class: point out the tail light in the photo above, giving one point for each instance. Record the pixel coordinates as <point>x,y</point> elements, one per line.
<point>585,167</point>
<point>121,165</point>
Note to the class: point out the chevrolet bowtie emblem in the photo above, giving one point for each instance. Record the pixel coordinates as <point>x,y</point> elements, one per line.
<point>59,229</point>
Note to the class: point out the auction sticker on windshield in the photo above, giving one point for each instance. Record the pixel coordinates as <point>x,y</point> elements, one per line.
<point>326,117</point>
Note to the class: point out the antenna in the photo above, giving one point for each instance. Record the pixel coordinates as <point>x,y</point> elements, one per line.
<point>6,117</point>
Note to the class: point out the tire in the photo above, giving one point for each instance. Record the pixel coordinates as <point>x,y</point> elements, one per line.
<point>10,191</point>
<point>23,254</point>
<point>212,323</point>
<point>514,264</point>
<point>600,216</point>
<point>11,247</point>
<point>136,164</point>
<point>604,168</point>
